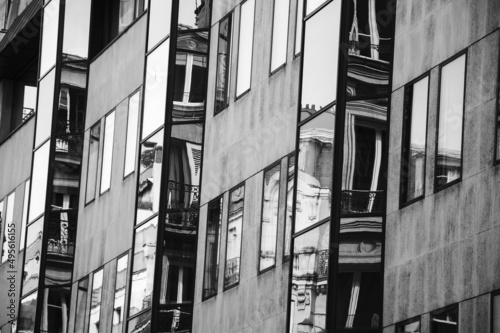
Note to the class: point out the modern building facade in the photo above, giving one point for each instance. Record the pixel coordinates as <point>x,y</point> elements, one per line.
<point>249,166</point>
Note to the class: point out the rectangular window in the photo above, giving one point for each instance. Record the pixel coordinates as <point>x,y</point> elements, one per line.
<point>269,220</point>
<point>8,230</point>
<point>411,326</point>
<point>39,181</point>
<point>55,308</point>
<point>27,314</point>
<point>234,237</point>
<point>49,36</point>
<point>223,64</point>
<point>45,108</point>
<point>25,214</point>
<point>31,273</point>
<point>95,305</point>
<point>445,321</point>
<point>298,26</point>
<point>93,159</point>
<point>450,122</point>
<point>495,313</point>
<point>245,47</point>
<point>280,34</point>
<point>120,292</point>
<point>107,151</point>
<point>81,305</point>
<point>212,248</point>
<point>159,21</point>
<point>289,206</point>
<point>132,134</point>
<point>414,140</point>
<point>2,218</point>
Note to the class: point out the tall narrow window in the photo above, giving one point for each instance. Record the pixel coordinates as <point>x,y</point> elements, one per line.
<point>93,158</point>
<point>107,152</point>
<point>451,113</point>
<point>289,207</point>
<point>245,47</point>
<point>212,248</point>
<point>45,108</point>
<point>2,218</point>
<point>49,37</point>
<point>280,34</point>
<point>414,141</point>
<point>234,237</point>
<point>132,133</point>
<point>159,21</point>
<point>445,321</point>
<point>95,305</point>
<point>81,305</point>
<point>120,292</point>
<point>495,313</point>
<point>39,181</point>
<point>298,26</point>
<point>8,228</point>
<point>223,64</point>
<point>25,214</point>
<point>269,220</point>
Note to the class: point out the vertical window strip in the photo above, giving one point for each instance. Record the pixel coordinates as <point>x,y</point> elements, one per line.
<point>289,207</point>
<point>25,214</point>
<point>280,34</point>
<point>9,227</point>
<point>223,64</point>
<point>245,48</point>
<point>132,134</point>
<point>95,305</point>
<point>212,248</point>
<point>234,237</point>
<point>107,152</point>
<point>298,26</point>
<point>92,161</point>
<point>120,294</point>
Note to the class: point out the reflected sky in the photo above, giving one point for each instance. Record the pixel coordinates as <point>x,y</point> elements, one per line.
<point>76,28</point>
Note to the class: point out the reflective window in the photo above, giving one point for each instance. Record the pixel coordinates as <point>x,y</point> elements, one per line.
<point>310,280</point>
<point>61,234</point>
<point>143,267</point>
<point>49,37</point>
<point>245,47</point>
<point>120,292</point>
<point>175,319</point>
<point>25,214</point>
<point>39,181</point>
<point>319,76</point>
<point>159,21</point>
<point>451,113</point>
<point>27,313</point>
<point>55,310</point>
<point>223,64</point>
<point>29,102</point>
<point>192,16</point>
<point>298,26</point>
<point>45,108</point>
<point>148,191</point>
<point>140,324</point>
<point>132,134</point>
<point>81,305</point>
<point>315,165</point>
<point>289,206</point>
<point>212,248</point>
<point>93,158</point>
<point>495,313</point>
<point>155,94</point>
<point>76,29</point>
<point>313,4</point>
<point>95,304</point>
<point>445,321</point>
<point>9,230</point>
<point>414,140</point>
<point>234,237</point>
<point>32,256</point>
<point>412,327</point>
<point>269,221</point>
<point>280,33</point>
<point>107,152</point>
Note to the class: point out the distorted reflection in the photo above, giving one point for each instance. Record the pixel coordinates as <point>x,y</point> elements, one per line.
<point>223,64</point>
<point>81,305</point>
<point>39,181</point>
<point>107,152</point>
<point>120,291</point>
<point>144,266</point>
<point>148,192</point>
<point>299,21</point>
<point>32,256</point>
<point>45,108</point>
<point>212,248</point>
<point>177,319</point>
<point>132,134</point>
<point>315,165</point>
<point>27,313</point>
<point>194,14</point>
<point>289,206</point>
<point>49,36</point>
<point>95,304</point>
<point>25,213</point>
<point>140,324</point>
<point>55,310</point>
<point>234,230</point>
<point>310,280</point>
<point>409,328</point>
<point>359,287</point>
<point>269,222</point>
<point>363,183</point>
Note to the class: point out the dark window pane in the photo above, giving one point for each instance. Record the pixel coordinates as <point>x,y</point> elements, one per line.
<point>180,76</point>
<point>413,327</point>
<point>496,313</point>
<point>55,310</point>
<point>140,324</point>
<point>298,26</point>
<point>8,232</point>
<point>132,134</point>
<point>310,280</point>
<point>269,221</point>
<point>234,236</point>
<point>445,322</point>
<point>451,113</point>
<point>319,80</point>
<point>159,21</point>
<point>72,99</point>
<point>120,292</point>
<point>245,47</point>
<point>414,140</point>
<point>175,319</point>
<point>76,28</point>
<point>27,313</point>
<point>45,108</point>
<point>223,65</point>
<point>95,305</point>
<point>314,179</point>
<point>25,214</point>
<point>148,192</point>
<point>94,139</point>
<point>32,256</point>
<point>289,206</point>
<point>280,33</point>
<point>144,266</point>
<point>212,248</point>
<point>81,305</point>
<point>49,36</point>
<point>107,152</point>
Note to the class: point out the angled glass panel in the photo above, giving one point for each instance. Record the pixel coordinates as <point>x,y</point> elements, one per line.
<point>140,324</point>
<point>315,165</point>
<point>45,108</point>
<point>32,256</point>
<point>319,76</point>
<point>269,220</point>
<point>76,29</point>
<point>81,305</point>
<point>9,229</point>
<point>132,134</point>
<point>39,181</point>
<point>313,4</point>
<point>451,114</point>
<point>93,158</point>
<point>95,304</point>
<point>310,280</point>
<point>107,152</point>
<point>212,248</point>
<point>27,314</point>
<point>120,293</point>
<point>245,47</point>
<point>155,94</point>
<point>148,191</point>
<point>25,214</point>
<point>143,267</point>
<point>289,206</point>
<point>55,310</point>
<point>298,26</point>
<point>413,327</point>
<point>280,33</point>
<point>194,15</point>
<point>49,36</point>
<point>223,64</point>
<point>445,321</point>
<point>234,237</point>
<point>175,319</point>
<point>160,13</point>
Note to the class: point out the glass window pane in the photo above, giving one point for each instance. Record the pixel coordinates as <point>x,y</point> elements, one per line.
<point>319,76</point>
<point>60,247</point>
<point>155,94</point>
<point>269,221</point>
<point>212,248</point>
<point>314,178</point>
<point>223,64</point>
<point>175,319</point>
<point>32,256</point>
<point>280,33</point>
<point>27,313</point>
<point>148,192</point>
<point>445,322</point>
<point>49,36</point>
<point>451,113</point>
<point>234,237</point>
<point>298,26</point>
<point>496,313</point>
<point>107,152</point>
<point>94,139</point>
<point>120,292</point>
<point>45,108</point>
<point>81,305</point>
<point>414,140</point>
<point>144,266</point>
<point>140,324</point>
<point>310,280</point>
<point>29,101</point>
<point>39,181</point>
<point>289,206</point>
<point>9,229</point>
<point>187,16</point>
<point>76,29</point>
<point>95,305</point>
<point>25,214</point>
<point>132,128</point>
<point>159,21</point>
<point>245,47</point>
<point>125,14</point>
<point>411,328</point>
<point>55,310</point>
<point>313,4</point>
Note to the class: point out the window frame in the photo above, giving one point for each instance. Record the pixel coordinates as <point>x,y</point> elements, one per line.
<point>91,289</point>
<point>492,303</point>
<point>74,318</point>
<point>127,273</point>
<point>87,201</point>
<point>105,118</point>
<point>5,213</point>
<point>245,92</point>
<point>442,310</point>
<point>138,125</point>
<point>408,321</point>
<point>230,41</point>
<point>277,69</point>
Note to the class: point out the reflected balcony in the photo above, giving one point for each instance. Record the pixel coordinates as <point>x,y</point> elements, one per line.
<point>232,271</point>
<point>362,202</point>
